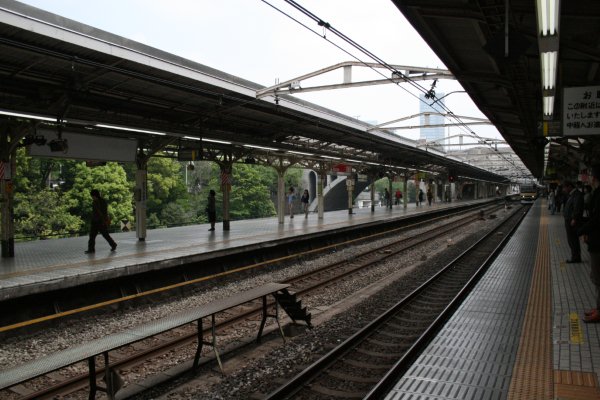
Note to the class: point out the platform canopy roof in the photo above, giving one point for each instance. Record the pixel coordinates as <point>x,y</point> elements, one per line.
<point>493,48</point>
<point>91,81</point>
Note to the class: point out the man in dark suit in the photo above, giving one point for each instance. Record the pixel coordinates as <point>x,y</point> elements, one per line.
<point>99,223</point>
<point>573,214</point>
<point>590,232</point>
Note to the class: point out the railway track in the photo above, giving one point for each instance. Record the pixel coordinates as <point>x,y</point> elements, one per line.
<point>353,369</point>
<point>128,358</point>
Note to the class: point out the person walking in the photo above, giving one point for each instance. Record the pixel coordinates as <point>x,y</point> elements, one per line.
<point>590,233</point>
<point>290,201</point>
<point>304,200</point>
<point>572,214</point>
<point>99,222</point>
<point>211,209</point>
<point>429,196</point>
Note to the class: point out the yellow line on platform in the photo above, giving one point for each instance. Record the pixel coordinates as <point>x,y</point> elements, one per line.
<point>532,376</point>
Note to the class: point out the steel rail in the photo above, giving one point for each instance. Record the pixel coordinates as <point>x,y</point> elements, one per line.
<point>81,380</point>
<point>303,379</point>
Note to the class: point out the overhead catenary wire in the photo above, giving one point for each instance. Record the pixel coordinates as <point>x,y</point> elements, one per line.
<point>395,73</point>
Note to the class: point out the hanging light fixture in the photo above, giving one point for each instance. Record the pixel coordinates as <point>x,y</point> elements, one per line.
<point>548,12</point>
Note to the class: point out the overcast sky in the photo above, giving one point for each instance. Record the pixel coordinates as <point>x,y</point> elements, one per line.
<point>252,40</point>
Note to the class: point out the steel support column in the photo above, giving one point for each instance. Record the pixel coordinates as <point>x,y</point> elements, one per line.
<point>8,157</point>
<point>320,198</point>
<point>141,196</point>
<point>226,168</point>
<point>350,189</point>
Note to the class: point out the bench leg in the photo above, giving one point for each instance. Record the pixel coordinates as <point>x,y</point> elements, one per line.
<point>200,343</point>
<point>264,319</point>
<point>212,343</point>
<point>265,314</point>
<point>92,376</point>
<point>108,378</point>
<point>277,319</point>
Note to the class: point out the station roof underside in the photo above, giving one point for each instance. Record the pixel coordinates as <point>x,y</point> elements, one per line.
<point>82,76</point>
<point>504,79</point>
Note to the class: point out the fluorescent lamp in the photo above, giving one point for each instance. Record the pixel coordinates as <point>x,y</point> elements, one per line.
<point>124,128</point>
<point>216,141</point>
<point>547,14</point>
<point>260,147</point>
<point>192,138</point>
<point>549,69</point>
<point>300,153</point>
<point>333,158</point>
<point>31,116</point>
<point>548,105</point>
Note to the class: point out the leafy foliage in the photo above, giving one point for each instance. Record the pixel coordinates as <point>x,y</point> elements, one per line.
<point>111,181</point>
<point>250,195</point>
<point>164,183</point>
<point>43,213</point>
<point>52,196</point>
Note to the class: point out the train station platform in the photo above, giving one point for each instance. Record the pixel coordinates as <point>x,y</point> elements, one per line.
<point>520,333</point>
<point>45,265</point>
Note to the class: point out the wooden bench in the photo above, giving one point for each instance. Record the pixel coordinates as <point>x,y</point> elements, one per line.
<point>89,350</point>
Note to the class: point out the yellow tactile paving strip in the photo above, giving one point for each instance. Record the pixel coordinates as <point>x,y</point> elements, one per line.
<point>533,375</point>
<point>532,372</point>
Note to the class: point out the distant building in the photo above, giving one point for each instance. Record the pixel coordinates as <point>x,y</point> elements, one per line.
<point>432,134</point>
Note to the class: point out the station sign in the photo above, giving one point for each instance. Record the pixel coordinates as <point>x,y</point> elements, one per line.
<point>84,147</point>
<point>581,111</point>
<point>341,169</point>
<point>187,154</point>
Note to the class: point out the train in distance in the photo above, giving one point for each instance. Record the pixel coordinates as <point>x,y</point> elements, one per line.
<point>528,193</point>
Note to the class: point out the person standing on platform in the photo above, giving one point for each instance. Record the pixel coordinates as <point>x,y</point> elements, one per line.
<point>420,197</point>
<point>386,198</point>
<point>587,201</point>
<point>573,213</point>
<point>590,232</point>
<point>551,205</point>
<point>429,196</point>
<point>304,200</point>
<point>99,223</point>
<point>211,209</point>
<point>398,196</point>
<point>290,201</point>
<point>559,198</point>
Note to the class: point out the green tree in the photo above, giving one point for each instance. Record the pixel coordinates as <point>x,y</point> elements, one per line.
<point>37,173</point>
<point>178,213</point>
<point>43,213</point>
<point>165,183</point>
<point>250,195</point>
<point>112,183</point>
<point>292,178</point>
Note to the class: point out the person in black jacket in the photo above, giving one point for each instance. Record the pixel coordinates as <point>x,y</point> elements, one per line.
<point>573,214</point>
<point>99,223</point>
<point>211,209</point>
<point>590,232</point>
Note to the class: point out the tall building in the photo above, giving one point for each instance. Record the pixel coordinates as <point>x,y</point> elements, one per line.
<point>431,134</point>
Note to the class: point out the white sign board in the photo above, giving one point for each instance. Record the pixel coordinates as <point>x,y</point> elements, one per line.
<point>581,111</point>
<point>86,147</point>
